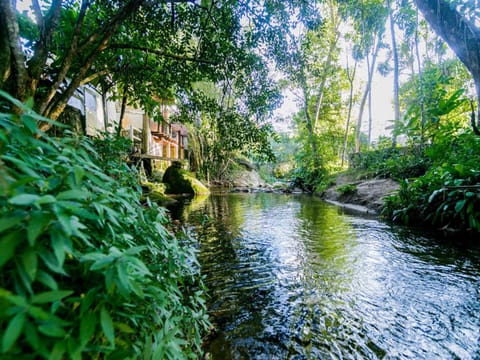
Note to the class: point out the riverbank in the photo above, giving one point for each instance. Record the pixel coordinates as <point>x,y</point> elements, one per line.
<point>364,196</point>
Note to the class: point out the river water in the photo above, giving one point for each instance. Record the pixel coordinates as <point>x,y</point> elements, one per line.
<point>291,277</point>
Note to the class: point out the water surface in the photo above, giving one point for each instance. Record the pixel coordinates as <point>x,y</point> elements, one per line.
<point>291,277</point>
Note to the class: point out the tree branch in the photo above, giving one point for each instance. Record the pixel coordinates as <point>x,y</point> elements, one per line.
<point>107,30</point>
<point>93,77</point>
<point>161,53</point>
<point>37,11</point>
<point>460,35</point>
<point>47,28</point>
<point>67,61</point>
<point>7,12</point>
<point>97,43</point>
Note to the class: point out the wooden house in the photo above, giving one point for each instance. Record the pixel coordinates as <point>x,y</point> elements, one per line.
<point>157,143</point>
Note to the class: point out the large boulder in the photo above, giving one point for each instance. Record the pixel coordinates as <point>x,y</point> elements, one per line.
<point>180,181</point>
<point>248,179</point>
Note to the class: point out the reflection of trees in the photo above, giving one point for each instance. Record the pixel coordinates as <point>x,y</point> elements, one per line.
<point>328,239</point>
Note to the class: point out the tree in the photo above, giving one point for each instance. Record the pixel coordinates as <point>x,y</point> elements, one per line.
<point>455,23</point>
<point>396,71</point>
<point>369,20</point>
<point>158,48</point>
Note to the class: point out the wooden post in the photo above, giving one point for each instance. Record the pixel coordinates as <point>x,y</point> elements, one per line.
<point>146,133</point>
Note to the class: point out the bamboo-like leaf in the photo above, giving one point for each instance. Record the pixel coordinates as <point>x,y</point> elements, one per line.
<point>107,326</point>
<point>24,199</point>
<point>10,221</point>
<point>87,327</point>
<point>7,245</point>
<point>50,296</point>
<point>38,222</point>
<point>13,331</point>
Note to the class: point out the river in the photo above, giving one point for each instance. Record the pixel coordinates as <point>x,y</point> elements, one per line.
<point>291,277</point>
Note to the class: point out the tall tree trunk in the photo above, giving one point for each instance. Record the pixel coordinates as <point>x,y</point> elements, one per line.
<point>309,123</point>
<point>370,116</point>
<point>422,96</point>
<point>328,62</point>
<point>396,76</point>
<point>351,78</point>
<point>368,88</point>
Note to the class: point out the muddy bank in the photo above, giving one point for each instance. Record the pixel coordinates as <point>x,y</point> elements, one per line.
<point>362,196</point>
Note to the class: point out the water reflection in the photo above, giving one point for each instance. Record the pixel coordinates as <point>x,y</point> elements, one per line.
<point>291,277</point>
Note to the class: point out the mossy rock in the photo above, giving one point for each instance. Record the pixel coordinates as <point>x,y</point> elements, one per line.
<point>179,181</point>
<point>156,193</point>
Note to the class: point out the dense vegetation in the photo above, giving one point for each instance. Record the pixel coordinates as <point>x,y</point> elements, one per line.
<point>87,270</point>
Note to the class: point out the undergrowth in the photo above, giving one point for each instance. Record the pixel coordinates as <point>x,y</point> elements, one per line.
<point>86,270</point>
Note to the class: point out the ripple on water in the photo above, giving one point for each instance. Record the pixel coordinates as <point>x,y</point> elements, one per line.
<point>293,278</point>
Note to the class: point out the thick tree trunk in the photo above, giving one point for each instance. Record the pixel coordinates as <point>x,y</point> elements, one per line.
<point>5,53</point>
<point>17,72</point>
<point>462,36</point>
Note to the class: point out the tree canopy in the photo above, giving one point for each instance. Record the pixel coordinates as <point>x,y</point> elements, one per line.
<point>153,48</point>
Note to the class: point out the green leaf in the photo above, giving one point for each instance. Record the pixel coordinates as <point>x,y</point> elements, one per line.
<point>52,330</point>
<point>24,199</point>
<point>8,245</point>
<point>38,313</point>
<point>13,331</point>
<point>30,263</point>
<point>79,174</point>
<point>107,325</point>
<point>459,205</point>
<point>102,263</point>
<point>124,328</point>
<point>31,335</point>
<point>38,222</point>
<point>87,327</point>
<point>58,351</point>
<point>7,222</point>
<point>58,245</point>
<point>50,296</point>
<point>46,199</point>
<point>73,195</point>
<point>47,280</point>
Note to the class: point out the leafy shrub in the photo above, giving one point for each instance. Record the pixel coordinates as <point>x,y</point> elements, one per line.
<point>85,270</point>
<point>448,195</point>
<point>346,189</point>
<point>395,163</point>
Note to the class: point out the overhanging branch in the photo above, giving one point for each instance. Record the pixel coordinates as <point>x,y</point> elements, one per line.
<point>161,53</point>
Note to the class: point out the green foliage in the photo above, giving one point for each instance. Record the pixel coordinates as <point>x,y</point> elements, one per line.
<point>395,163</point>
<point>86,271</point>
<point>448,195</point>
<point>221,132</point>
<point>434,103</point>
<point>346,189</point>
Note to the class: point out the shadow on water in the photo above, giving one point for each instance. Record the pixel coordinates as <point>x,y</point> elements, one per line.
<point>291,277</point>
